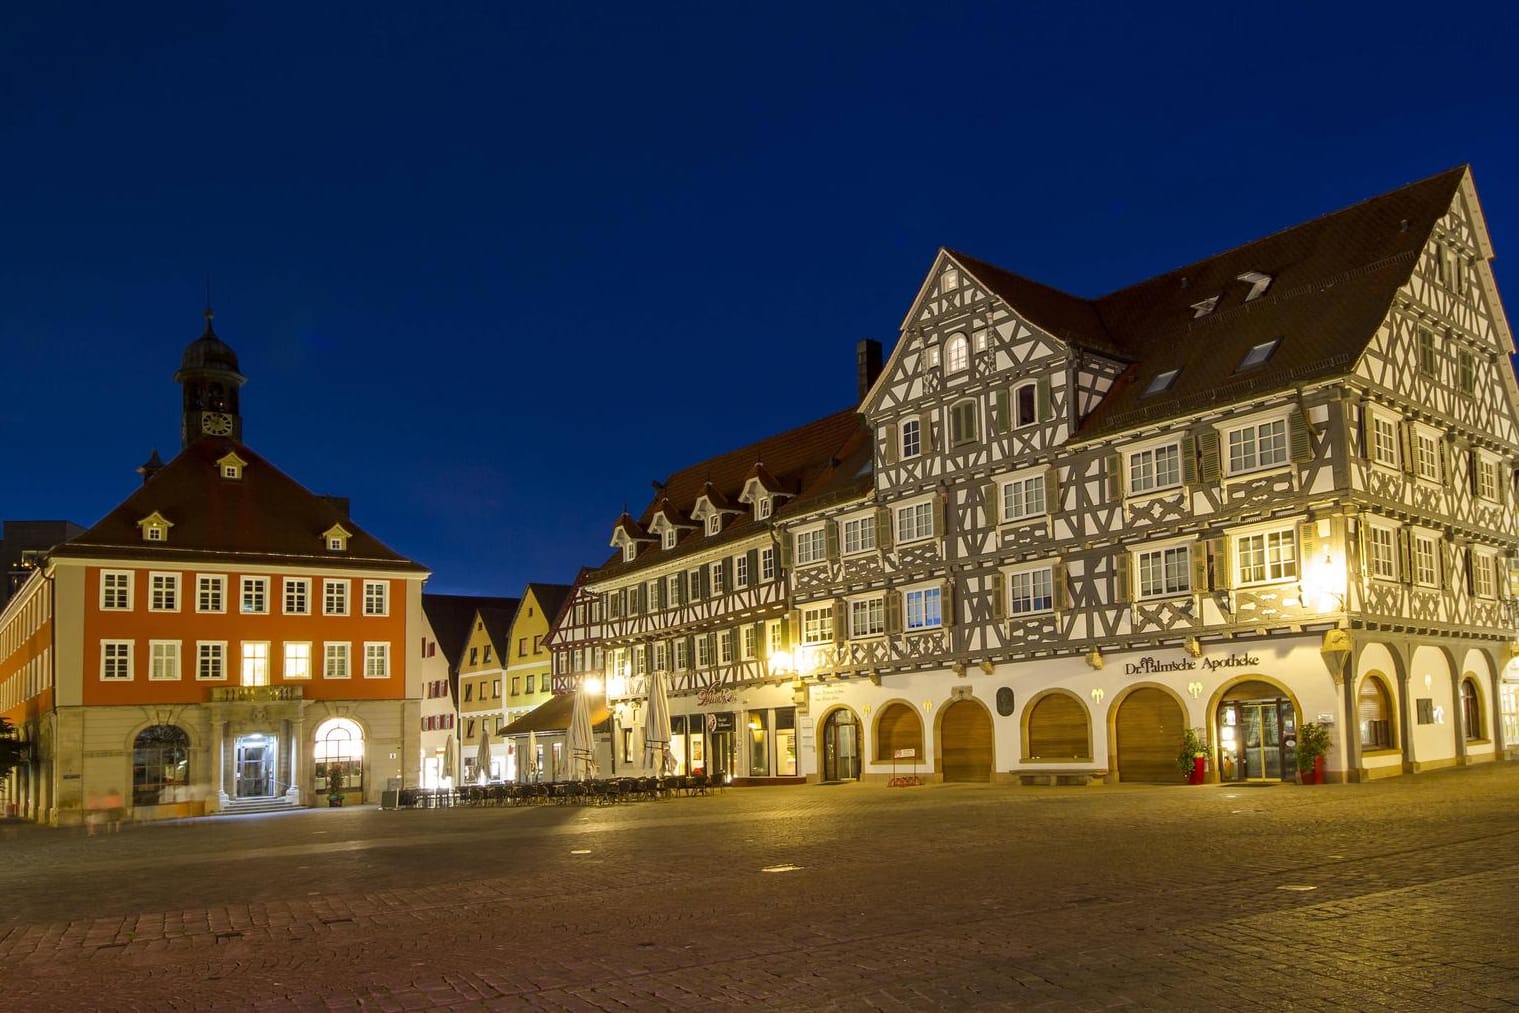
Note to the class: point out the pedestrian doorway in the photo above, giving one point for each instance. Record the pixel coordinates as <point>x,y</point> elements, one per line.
<point>1257,735</point>
<point>253,766</point>
<point>841,746</point>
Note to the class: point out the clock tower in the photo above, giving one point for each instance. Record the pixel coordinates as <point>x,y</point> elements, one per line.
<point>210,380</point>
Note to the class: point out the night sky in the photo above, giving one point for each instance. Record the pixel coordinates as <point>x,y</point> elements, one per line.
<point>492,268</point>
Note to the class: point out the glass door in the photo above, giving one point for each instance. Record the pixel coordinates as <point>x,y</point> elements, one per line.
<point>841,747</point>
<point>254,766</point>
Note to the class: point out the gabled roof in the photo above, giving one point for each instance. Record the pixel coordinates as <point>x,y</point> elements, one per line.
<point>498,626</point>
<point>553,715</point>
<point>798,460</point>
<point>451,616</point>
<point>264,517</point>
<point>551,598</point>
<point>1070,318</point>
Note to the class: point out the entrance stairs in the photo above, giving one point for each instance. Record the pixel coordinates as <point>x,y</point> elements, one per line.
<point>246,806</point>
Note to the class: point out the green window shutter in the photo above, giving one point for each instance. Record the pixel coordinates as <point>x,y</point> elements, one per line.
<point>1299,447</point>
<point>1222,551</point>
<point>889,448</point>
<point>1198,552</point>
<point>947,603</point>
<point>989,501</point>
<point>728,584</point>
<point>926,432</point>
<point>787,540</point>
<point>793,627</point>
<point>840,621</point>
<point>1189,460</point>
<point>1406,445</point>
<point>1052,490</point>
<point>1207,453</point>
<point>1115,476</point>
<point>1405,556</point>
<point>754,577</point>
<point>1121,589</point>
<point>1001,410</point>
<point>691,652</point>
<point>893,610</point>
<point>999,596</point>
<point>884,530</point>
<point>1363,429</point>
<point>1060,578</point>
<point>1307,544</point>
<point>1042,398</point>
<point>761,642</point>
<point>831,539</point>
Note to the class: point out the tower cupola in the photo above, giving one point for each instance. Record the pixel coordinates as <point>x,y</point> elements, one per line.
<point>209,377</point>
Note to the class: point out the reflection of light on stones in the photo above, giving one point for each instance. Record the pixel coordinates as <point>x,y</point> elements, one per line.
<point>781,868</point>
<point>1296,887</point>
<point>581,851</point>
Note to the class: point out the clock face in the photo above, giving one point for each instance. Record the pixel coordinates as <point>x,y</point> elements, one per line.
<point>216,424</point>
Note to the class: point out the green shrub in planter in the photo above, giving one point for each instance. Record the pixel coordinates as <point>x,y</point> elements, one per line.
<point>1312,742</point>
<point>1192,746</point>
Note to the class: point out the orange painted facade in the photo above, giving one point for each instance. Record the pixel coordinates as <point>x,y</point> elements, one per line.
<point>141,625</point>
<point>26,638</point>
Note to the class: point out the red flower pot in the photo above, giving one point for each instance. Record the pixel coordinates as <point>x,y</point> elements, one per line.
<point>1199,770</point>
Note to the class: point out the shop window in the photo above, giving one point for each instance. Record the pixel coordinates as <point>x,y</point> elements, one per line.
<point>1374,709</point>
<point>160,765</point>
<point>339,756</point>
<point>1471,710</point>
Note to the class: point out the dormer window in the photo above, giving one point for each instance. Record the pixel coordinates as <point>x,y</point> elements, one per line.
<point>336,538</point>
<point>629,551</point>
<point>669,538</point>
<point>1162,383</point>
<point>951,280</point>
<point>762,507</point>
<point>231,467</point>
<point>714,523</point>
<point>1258,283</point>
<point>155,527</point>
<point>1258,355</point>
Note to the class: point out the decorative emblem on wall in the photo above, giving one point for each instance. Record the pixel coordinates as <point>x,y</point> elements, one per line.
<point>1195,688</point>
<point>1098,694</point>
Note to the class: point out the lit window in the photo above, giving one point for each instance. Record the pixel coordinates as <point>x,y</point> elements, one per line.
<point>811,546</point>
<point>297,661</point>
<point>163,660</point>
<point>922,609</point>
<point>376,598</point>
<point>376,661</point>
<point>1383,555</point>
<point>957,354</point>
<point>255,664</point>
<point>1267,557</point>
<point>1165,571</point>
<point>1258,446</point>
<point>1023,498</point>
<point>817,624</point>
<point>867,618</point>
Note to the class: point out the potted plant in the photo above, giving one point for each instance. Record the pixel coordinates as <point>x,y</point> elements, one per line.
<point>1192,760</point>
<point>1312,744</point>
<point>334,786</point>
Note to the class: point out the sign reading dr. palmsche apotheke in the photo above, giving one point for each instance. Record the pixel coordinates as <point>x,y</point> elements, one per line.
<point>1146,666</point>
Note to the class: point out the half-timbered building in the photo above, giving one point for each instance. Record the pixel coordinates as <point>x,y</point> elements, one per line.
<point>1272,487</point>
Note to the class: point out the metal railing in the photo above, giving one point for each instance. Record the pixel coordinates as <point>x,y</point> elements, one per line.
<point>254,694</point>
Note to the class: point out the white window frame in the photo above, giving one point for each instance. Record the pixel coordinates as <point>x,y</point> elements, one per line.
<point>342,587</point>
<point>748,642</point>
<point>704,650</point>
<point>163,661</point>
<point>914,522</point>
<point>377,651</point>
<point>957,353</point>
<point>1147,473</point>
<point>163,591</point>
<point>741,571</point>
<point>1031,591</point>
<point>116,656</point>
<point>1025,391</point>
<point>1019,493</point>
<point>716,581</point>
<point>969,428</point>
<point>1426,450</point>
<point>817,624</point>
<point>218,654</point>
<point>108,593</point>
<point>303,584</point>
<point>1484,574</point>
<point>714,523</point>
<point>857,534</point>
<point>337,651</point>
<point>724,640</point>
<point>867,617</point>
<point>1251,433</point>
<point>1487,478</point>
<point>1426,559</point>
<point>767,563</point>
<point>811,546</point>
<point>292,663</point>
<point>1161,562</point>
<point>668,538</point>
<point>377,591</point>
<point>1384,439</point>
<point>763,507</point>
<point>1273,556</point>
<point>259,587</point>
<point>912,438</point>
<point>1382,547</point>
<point>919,605</point>
<point>249,671</point>
<point>214,584</point>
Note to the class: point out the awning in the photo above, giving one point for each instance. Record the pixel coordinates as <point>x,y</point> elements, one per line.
<point>554,716</point>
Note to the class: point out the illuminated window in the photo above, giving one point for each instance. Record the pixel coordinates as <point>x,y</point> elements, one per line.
<point>1269,556</point>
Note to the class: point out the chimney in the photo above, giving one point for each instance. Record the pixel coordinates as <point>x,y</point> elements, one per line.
<point>152,466</point>
<point>867,365</point>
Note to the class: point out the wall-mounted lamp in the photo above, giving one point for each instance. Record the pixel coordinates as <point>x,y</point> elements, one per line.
<point>987,666</point>
<point>1094,658</point>
<point>1193,647</point>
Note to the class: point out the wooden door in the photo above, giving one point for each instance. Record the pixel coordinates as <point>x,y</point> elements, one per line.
<point>965,742</point>
<point>1057,730</point>
<point>1149,730</point>
<point>898,728</point>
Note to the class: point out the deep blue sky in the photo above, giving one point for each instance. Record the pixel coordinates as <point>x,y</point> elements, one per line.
<point>491,268</point>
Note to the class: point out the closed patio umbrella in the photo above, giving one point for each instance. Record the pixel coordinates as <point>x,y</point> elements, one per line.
<point>656,725</point>
<point>483,757</point>
<point>532,754</point>
<point>578,741</point>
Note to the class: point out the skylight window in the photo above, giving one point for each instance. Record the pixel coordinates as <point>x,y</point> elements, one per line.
<point>1258,355</point>
<point>1258,283</point>
<point>1162,382</point>
<point>1202,309</point>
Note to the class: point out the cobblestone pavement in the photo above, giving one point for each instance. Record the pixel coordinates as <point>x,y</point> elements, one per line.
<point>1397,894</point>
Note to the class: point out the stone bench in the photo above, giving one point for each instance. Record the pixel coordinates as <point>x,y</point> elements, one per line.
<point>1059,776</point>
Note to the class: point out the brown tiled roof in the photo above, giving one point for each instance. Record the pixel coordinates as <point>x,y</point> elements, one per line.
<point>551,598</point>
<point>451,616</point>
<point>762,475</point>
<point>1332,281</point>
<point>798,459</point>
<point>263,517</point>
<point>498,624</point>
<point>553,715</point>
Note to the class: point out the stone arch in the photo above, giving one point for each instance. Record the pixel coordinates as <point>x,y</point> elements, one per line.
<point>840,753</point>
<point>1473,693</point>
<point>1066,698</point>
<point>334,763</point>
<point>1230,688</point>
<point>889,735</point>
<point>1368,737</point>
<point>967,750</point>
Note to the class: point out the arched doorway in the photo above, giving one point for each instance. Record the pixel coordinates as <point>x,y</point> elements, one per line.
<point>1148,735</point>
<point>1058,729</point>
<point>840,746</point>
<point>1257,733</point>
<point>899,729</point>
<point>339,757</point>
<point>965,742</point>
<point>160,765</point>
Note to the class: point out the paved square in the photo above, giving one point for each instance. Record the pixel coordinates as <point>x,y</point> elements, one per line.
<point>1397,894</point>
